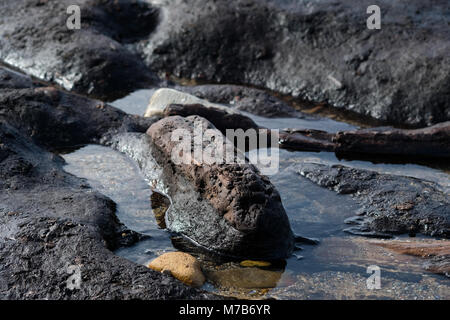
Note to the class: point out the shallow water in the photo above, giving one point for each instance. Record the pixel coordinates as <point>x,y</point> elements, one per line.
<point>334,269</point>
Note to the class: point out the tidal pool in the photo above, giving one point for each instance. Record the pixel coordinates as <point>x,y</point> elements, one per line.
<point>336,268</point>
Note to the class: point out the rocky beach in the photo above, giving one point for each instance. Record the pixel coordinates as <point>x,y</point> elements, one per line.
<point>101,197</point>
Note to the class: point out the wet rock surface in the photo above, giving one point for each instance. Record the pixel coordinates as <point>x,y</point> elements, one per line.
<point>13,80</point>
<point>321,51</point>
<point>389,204</point>
<point>230,209</point>
<point>221,119</point>
<point>56,119</point>
<point>169,102</point>
<point>247,99</point>
<point>51,220</point>
<point>92,60</point>
<point>52,223</point>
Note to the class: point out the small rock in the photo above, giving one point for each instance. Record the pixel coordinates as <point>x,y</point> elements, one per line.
<point>252,263</point>
<point>244,278</point>
<point>182,266</point>
<point>165,97</point>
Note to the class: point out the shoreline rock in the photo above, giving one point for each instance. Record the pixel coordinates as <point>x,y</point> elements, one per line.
<point>51,222</point>
<point>436,253</point>
<point>251,100</point>
<point>390,204</point>
<point>93,60</point>
<point>241,211</point>
<point>182,266</point>
<point>320,51</point>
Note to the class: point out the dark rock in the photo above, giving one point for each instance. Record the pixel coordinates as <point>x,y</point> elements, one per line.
<point>221,119</point>
<point>439,264</point>
<point>311,241</point>
<point>92,60</point>
<point>391,204</point>
<point>321,51</point>
<point>58,223</point>
<point>254,101</point>
<point>230,209</point>
<point>51,220</point>
<point>13,80</point>
<point>56,119</point>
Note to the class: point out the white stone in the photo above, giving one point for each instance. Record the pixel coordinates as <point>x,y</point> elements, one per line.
<point>164,97</point>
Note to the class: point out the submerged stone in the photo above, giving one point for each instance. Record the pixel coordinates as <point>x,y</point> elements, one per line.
<point>182,266</point>
<point>253,263</point>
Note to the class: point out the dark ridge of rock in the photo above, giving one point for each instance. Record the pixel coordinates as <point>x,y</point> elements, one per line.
<point>56,119</point>
<point>254,101</point>
<point>224,120</point>
<point>389,204</point>
<point>221,119</point>
<point>34,38</point>
<point>51,220</point>
<point>320,51</point>
<point>230,209</point>
<point>14,80</point>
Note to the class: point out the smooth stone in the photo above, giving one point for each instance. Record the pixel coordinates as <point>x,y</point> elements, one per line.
<point>165,97</point>
<point>182,266</point>
<point>253,263</point>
